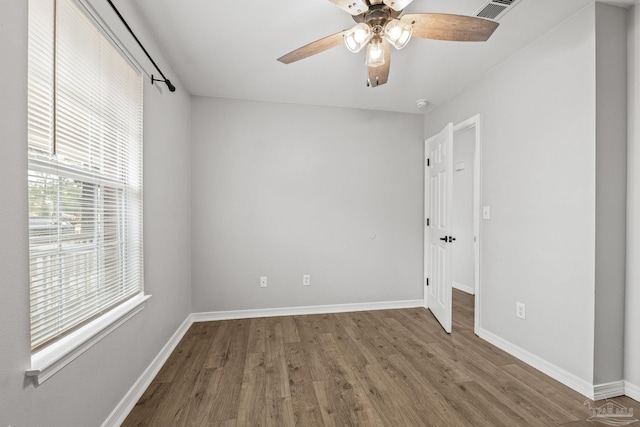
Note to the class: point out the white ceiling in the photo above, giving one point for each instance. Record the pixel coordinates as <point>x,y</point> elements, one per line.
<point>229,50</point>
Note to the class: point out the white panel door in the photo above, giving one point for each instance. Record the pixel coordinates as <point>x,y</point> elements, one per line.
<point>439,181</point>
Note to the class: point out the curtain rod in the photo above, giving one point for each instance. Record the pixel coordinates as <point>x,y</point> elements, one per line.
<point>171,87</point>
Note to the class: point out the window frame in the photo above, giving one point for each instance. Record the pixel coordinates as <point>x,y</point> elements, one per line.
<point>51,357</point>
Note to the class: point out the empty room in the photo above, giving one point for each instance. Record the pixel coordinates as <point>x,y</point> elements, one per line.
<point>319,213</point>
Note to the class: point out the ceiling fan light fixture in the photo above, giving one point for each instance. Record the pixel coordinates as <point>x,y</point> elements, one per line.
<point>375,53</point>
<point>398,33</point>
<point>357,37</point>
<point>381,23</point>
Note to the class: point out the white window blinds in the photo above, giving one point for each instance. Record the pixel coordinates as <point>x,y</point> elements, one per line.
<point>85,171</point>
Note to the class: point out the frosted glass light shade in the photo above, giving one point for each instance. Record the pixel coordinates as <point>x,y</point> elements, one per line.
<point>398,33</point>
<point>357,37</point>
<point>375,53</point>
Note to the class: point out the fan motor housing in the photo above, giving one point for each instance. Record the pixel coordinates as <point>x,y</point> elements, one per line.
<point>377,16</point>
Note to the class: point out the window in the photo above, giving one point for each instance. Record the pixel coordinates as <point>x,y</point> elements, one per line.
<point>85,172</point>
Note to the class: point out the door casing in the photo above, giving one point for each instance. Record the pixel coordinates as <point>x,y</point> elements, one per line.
<point>471,123</point>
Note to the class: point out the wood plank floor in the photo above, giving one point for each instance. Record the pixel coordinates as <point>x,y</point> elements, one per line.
<point>379,368</point>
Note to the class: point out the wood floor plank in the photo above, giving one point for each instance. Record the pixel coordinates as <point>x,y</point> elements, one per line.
<point>190,381</point>
<point>193,362</point>
<point>484,349</point>
<point>219,344</point>
<point>420,322</point>
<point>310,329</point>
<point>342,394</point>
<point>395,368</point>
<point>442,403</point>
<point>421,415</point>
<point>171,412</point>
<point>305,405</point>
<point>347,390</point>
<point>372,418</point>
<point>496,410</point>
<point>257,336</point>
<point>279,409</point>
<point>463,312</point>
<point>279,412</point>
<point>225,423</point>
<point>328,409</point>
<point>383,393</point>
<point>289,330</point>
<point>379,372</point>
<point>251,408</point>
<point>277,378</point>
<point>176,359</point>
<point>342,342</point>
<point>197,406</point>
<point>224,401</point>
<point>147,406</point>
<point>364,397</point>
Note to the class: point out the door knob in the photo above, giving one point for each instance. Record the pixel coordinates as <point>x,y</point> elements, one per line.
<point>444,239</point>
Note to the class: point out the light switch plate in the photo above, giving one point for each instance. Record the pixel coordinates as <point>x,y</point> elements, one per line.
<point>486,212</point>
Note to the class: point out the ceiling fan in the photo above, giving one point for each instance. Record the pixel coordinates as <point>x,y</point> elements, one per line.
<point>380,24</point>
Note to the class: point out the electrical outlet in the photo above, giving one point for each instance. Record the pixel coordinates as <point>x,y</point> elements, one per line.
<point>306,280</point>
<point>520,310</point>
<point>263,281</point>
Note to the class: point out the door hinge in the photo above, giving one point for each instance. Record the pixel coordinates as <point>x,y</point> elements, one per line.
<point>427,281</point>
<point>428,222</point>
<point>428,162</point>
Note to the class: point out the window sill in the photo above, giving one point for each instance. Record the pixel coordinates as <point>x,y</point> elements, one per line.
<point>46,362</point>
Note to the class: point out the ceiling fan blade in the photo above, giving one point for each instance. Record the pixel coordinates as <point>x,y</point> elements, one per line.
<point>313,48</point>
<point>397,5</point>
<point>354,7</point>
<point>440,26</point>
<point>379,75</point>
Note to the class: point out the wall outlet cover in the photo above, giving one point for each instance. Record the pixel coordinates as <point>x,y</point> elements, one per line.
<point>520,310</point>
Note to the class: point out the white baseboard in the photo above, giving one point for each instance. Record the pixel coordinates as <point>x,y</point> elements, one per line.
<point>578,384</point>
<point>463,288</point>
<point>632,390</point>
<point>119,414</point>
<point>608,390</point>
<point>296,311</point>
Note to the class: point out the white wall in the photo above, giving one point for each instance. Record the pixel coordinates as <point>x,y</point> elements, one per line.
<point>538,120</point>
<point>85,392</point>
<point>632,312</point>
<point>611,177</point>
<point>282,190</point>
<point>462,216</point>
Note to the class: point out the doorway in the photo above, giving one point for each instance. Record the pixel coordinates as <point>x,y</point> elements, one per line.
<point>452,222</point>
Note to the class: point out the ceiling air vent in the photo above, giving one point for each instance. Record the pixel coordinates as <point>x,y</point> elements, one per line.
<point>495,9</point>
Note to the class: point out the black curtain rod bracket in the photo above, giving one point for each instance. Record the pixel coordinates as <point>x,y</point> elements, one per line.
<point>171,87</point>
<point>164,79</point>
